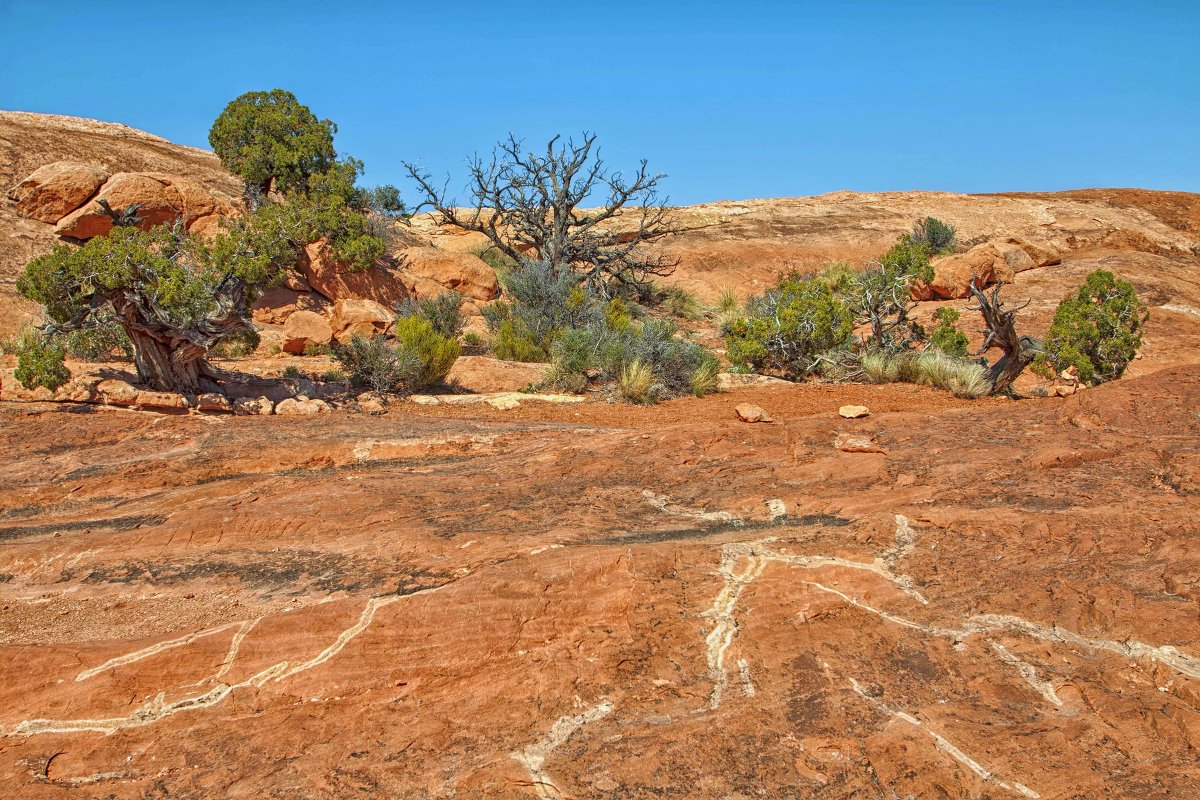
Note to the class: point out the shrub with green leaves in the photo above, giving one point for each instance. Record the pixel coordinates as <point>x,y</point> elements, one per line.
<point>1098,330</point>
<point>880,296</point>
<point>787,328</point>
<point>101,342</point>
<point>627,356</point>
<point>443,311</point>
<point>947,337</point>
<point>933,235</point>
<point>963,377</point>
<point>432,354</point>
<point>40,361</point>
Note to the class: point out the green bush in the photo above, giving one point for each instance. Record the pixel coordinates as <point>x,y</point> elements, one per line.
<point>788,327</point>
<point>681,303</point>
<point>933,235</point>
<point>880,296</point>
<point>838,276</point>
<point>374,364</point>
<point>497,259</point>
<point>431,353</point>
<point>40,361</point>
<point>946,336</point>
<point>1097,331</point>
<point>676,366</point>
<point>444,312</point>
<point>99,343</point>
<point>513,342</point>
<point>293,372</point>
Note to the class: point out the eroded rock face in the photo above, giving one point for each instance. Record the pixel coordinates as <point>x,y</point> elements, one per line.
<point>304,330</point>
<point>991,262</point>
<point>1002,604</point>
<point>161,199</point>
<point>429,271</point>
<point>381,283</point>
<point>364,318</point>
<point>57,189</point>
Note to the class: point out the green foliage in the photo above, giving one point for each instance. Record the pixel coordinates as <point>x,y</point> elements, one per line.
<point>444,312</point>
<point>314,349</point>
<point>293,372</point>
<point>431,353</point>
<point>265,136</point>
<point>239,344</point>
<point>728,301</point>
<point>383,200</point>
<point>676,365</point>
<point>785,329</point>
<point>513,342</point>
<point>946,336</point>
<point>40,361</point>
<point>543,302</point>
<point>879,296</point>
<point>99,342</point>
<point>497,259</point>
<point>333,376</point>
<point>473,339</point>
<point>933,235</point>
<point>838,276</point>
<point>281,230</point>
<point>617,316</point>
<point>637,384</point>
<point>682,304</point>
<point>931,368</point>
<point>162,268</point>
<point>1098,330</point>
<point>374,364</point>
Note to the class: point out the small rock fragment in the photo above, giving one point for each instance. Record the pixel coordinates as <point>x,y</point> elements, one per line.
<point>857,443</point>
<point>748,412</point>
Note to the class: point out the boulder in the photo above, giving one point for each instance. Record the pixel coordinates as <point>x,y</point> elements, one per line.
<point>277,303</point>
<point>854,412</point>
<point>484,374</point>
<point>213,402</point>
<point>161,199</point>
<point>305,328</point>
<point>55,190</point>
<point>301,406</point>
<point>748,412</point>
<point>429,271</point>
<point>250,406</point>
<point>364,318</point>
<point>996,261</point>
<point>116,392</point>
<point>381,283</point>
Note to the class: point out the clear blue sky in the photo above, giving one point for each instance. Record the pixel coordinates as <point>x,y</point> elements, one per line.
<point>732,99</point>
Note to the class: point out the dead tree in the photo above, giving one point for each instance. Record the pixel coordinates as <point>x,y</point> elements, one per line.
<point>530,207</point>
<point>1001,331</point>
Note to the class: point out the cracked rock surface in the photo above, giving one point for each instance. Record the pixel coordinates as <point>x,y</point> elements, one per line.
<point>1000,600</point>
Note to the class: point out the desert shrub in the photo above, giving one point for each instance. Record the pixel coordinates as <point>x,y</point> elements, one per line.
<point>946,336</point>
<point>444,312</point>
<point>473,339</point>
<point>785,329</point>
<point>333,376</point>
<point>838,276</point>
<point>513,342</point>
<point>292,371</point>
<point>880,296</point>
<point>617,315</point>
<point>314,349</point>
<point>239,344</point>
<point>1098,330</point>
<point>934,368</point>
<point>40,361</point>
<point>374,364</point>
<point>681,303</point>
<point>933,235</point>
<point>430,353</point>
<point>676,366</point>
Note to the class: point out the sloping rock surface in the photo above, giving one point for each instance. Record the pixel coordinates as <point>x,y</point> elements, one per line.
<point>999,602</point>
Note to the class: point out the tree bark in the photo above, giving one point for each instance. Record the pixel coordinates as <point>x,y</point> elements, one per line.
<point>167,366</point>
<point>1001,331</point>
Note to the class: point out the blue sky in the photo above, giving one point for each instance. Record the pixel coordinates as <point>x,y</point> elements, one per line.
<point>733,99</point>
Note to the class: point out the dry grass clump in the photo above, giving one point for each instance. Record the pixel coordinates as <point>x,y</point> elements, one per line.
<point>930,368</point>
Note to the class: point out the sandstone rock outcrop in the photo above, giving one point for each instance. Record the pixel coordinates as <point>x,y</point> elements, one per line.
<point>160,198</point>
<point>381,283</point>
<point>990,262</point>
<point>429,271</point>
<point>364,318</point>
<point>304,330</point>
<point>57,189</point>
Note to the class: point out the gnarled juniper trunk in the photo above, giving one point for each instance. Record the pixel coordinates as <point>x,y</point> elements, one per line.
<point>172,358</point>
<point>1001,331</point>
